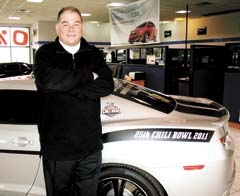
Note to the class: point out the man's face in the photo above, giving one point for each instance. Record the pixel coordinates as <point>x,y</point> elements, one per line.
<point>69,28</point>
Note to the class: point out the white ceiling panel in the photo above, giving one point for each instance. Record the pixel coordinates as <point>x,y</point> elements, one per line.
<point>47,10</point>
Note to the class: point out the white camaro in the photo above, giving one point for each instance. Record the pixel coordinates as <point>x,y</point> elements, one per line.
<point>154,144</point>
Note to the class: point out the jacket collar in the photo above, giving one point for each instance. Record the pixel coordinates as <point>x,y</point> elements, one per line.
<point>84,45</point>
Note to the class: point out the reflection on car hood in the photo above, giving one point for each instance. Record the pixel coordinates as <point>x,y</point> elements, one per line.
<point>166,103</point>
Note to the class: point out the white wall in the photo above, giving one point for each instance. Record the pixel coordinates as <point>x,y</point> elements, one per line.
<point>95,33</point>
<point>218,27</point>
<point>222,26</point>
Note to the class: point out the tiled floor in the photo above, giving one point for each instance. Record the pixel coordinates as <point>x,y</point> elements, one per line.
<point>235,190</point>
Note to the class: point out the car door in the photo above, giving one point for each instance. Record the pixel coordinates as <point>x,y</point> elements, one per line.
<point>19,145</point>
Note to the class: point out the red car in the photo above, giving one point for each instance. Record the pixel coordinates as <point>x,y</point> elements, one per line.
<point>144,32</point>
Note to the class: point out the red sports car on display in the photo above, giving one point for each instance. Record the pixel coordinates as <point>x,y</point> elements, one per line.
<point>144,32</point>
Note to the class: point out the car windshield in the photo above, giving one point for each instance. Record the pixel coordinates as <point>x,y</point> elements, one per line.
<point>141,25</point>
<point>144,96</point>
<point>150,24</point>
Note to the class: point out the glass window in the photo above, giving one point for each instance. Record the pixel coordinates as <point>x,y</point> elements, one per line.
<point>11,68</point>
<point>5,54</point>
<point>14,44</point>
<point>20,54</point>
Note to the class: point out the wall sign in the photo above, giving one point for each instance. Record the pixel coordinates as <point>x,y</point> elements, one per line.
<point>14,36</point>
<point>14,44</point>
<point>202,31</point>
<point>167,33</point>
<point>135,23</point>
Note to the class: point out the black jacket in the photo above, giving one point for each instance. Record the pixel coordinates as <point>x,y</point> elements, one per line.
<point>69,99</point>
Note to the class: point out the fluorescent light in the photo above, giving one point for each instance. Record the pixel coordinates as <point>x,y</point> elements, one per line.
<point>35,1</point>
<point>23,11</point>
<point>182,11</point>
<point>86,14</point>
<point>94,22</point>
<point>165,22</point>
<point>179,19</point>
<point>115,4</point>
<point>14,18</point>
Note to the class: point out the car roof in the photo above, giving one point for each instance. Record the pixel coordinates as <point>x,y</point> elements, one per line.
<point>28,84</point>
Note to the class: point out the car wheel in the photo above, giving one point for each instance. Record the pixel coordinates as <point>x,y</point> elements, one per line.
<point>146,38</point>
<point>125,180</point>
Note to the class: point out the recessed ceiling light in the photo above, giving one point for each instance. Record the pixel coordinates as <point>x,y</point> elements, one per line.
<point>14,18</point>
<point>35,1</point>
<point>115,4</point>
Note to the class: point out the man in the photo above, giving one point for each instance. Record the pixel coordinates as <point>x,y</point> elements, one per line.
<point>71,76</point>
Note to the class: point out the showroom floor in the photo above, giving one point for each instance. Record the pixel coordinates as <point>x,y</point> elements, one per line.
<point>235,190</point>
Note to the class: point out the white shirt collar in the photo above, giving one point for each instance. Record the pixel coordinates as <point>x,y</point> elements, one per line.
<point>70,49</point>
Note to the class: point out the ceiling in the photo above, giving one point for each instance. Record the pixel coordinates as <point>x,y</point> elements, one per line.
<point>47,10</point>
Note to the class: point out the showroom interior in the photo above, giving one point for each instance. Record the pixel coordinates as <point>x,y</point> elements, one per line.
<point>196,53</point>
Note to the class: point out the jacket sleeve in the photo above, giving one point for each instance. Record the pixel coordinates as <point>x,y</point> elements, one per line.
<point>103,85</point>
<point>51,78</point>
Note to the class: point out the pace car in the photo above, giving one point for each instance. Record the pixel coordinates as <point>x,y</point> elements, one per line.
<point>154,144</point>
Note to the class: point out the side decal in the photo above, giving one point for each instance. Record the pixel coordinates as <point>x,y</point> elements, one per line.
<point>110,109</point>
<point>179,135</point>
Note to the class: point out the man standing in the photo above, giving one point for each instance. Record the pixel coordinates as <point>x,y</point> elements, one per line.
<point>71,76</point>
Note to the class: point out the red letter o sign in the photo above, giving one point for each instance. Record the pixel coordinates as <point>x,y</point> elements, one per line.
<point>20,37</point>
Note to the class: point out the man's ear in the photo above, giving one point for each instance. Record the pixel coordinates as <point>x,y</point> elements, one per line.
<point>57,28</point>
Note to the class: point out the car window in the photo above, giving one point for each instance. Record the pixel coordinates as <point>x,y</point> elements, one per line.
<point>18,107</point>
<point>23,67</point>
<point>150,24</point>
<point>11,68</point>
<point>144,96</point>
<point>142,25</point>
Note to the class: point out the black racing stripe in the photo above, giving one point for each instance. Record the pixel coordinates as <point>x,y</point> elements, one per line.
<point>20,152</point>
<point>177,135</point>
<point>213,109</point>
<point>199,111</point>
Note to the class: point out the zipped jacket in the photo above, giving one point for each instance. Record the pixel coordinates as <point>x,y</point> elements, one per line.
<point>69,121</point>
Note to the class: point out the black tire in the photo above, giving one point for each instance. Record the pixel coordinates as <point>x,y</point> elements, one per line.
<point>124,180</point>
<point>146,38</point>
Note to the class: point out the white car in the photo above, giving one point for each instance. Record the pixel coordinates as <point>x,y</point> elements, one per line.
<point>154,144</point>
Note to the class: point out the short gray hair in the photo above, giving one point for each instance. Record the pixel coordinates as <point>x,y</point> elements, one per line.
<point>69,8</point>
